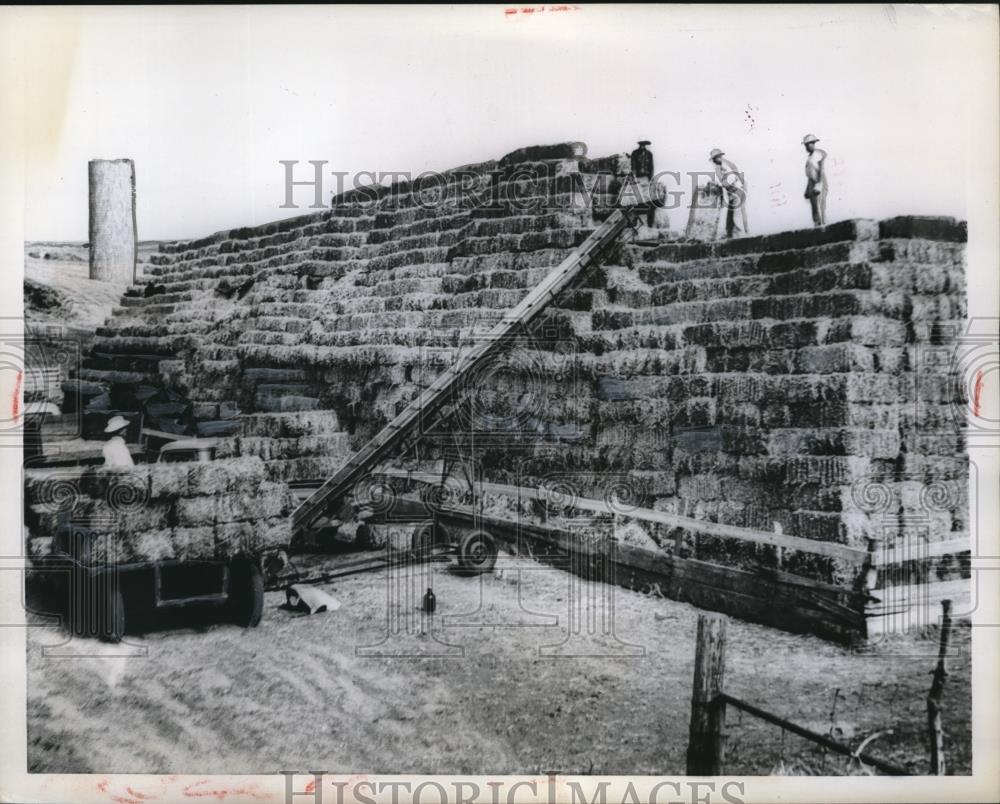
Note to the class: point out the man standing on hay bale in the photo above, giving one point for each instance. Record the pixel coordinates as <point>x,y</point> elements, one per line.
<point>733,186</point>
<point>816,188</point>
<point>641,162</point>
<point>115,451</point>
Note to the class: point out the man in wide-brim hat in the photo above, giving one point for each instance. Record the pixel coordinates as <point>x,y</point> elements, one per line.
<point>641,161</point>
<point>734,188</point>
<point>115,451</point>
<point>816,186</point>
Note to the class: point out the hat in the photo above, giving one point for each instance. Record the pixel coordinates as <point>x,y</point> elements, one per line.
<point>809,138</point>
<point>716,152</point>
<point>645,142</point>
<point>115,424</point>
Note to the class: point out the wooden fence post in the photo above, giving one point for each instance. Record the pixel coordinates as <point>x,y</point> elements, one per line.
<point>706,738</point>
<point>934,728</point>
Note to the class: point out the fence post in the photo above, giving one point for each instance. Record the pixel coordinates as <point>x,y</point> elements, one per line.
<point>934,727</point>
<point>706,738</point>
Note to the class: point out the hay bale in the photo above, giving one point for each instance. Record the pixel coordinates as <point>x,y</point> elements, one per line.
<point>265,500</point>
<point>168,480</point>
<point>193,542</point>
<point>221,476</point>
<point>233,538</point>
<point>133,521</point>
<point>290,424</point>
<point>194,511</point>
<point>53,489</point>
<point>153,545</point>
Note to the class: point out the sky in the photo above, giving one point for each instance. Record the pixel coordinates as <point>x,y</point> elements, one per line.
<point>208,100</point>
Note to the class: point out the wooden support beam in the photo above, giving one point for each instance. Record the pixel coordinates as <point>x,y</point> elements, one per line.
<point>697,527</point>
<point>706,737</point>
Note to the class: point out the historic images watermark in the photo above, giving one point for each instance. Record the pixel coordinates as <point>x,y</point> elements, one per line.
<point>548,789</point>
<point>525,187</point>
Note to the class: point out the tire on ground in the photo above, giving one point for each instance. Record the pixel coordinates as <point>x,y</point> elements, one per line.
<point>96,607</point>
<point>246,594</point>
<point>477,552</point>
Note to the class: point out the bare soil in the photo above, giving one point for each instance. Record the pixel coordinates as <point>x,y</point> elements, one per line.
<point>59,290</point>
<point>472,690</point>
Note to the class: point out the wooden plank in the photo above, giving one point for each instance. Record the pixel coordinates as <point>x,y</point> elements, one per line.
<point>894,600</point>
<point>687,523</point>
<point>799,605</point>
<point>936,591</point>
<point>697,526</point>
<point>922,550</point>
<point>147,431</point>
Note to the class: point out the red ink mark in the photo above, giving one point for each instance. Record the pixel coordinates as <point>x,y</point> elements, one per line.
<point>223,793</point>
<point>17,395</point>
<point>123,800</point>
<point>537,9</point>
<point>102,786</point>
<point>137,794</point>
<point>311,787</point>
<point>977,393</point>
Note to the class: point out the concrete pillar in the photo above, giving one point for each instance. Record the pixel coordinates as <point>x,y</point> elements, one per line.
<point>113,242</point>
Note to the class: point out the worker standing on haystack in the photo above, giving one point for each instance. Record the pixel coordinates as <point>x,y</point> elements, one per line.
<point>641,160</point>
<point>734,190</point>
<point>115,451</point>
<point>816,187</point>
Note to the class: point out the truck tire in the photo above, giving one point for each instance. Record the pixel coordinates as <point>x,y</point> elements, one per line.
<point>246,594</point>
<point>477,553</point>
<point>111,626</point>
<point>96,608</point>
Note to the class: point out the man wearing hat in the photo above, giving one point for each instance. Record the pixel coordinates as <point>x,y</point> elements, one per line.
<point>734,188</point>
<point>816,187</point>
<point>115,451</point>
<point>641,161</point>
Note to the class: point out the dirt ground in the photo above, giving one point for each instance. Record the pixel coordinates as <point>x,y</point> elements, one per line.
<point>59,291</point>
<point>473,689</point>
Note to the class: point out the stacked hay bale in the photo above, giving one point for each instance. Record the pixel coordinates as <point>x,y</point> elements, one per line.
<point>336,311</point>
<point>292,445</point>
<point>211,510</point>
<point>769,382</point>
<point>784,383</point>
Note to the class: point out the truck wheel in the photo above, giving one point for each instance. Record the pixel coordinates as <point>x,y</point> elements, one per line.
<point>79,607</point>
<point>477,553</point>
<point>246,594</point>
<point>97,608</point>
<point>111,625</point>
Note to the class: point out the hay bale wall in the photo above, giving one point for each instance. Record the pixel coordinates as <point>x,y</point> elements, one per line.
<point>778,381</point>
<point>215,510</point>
